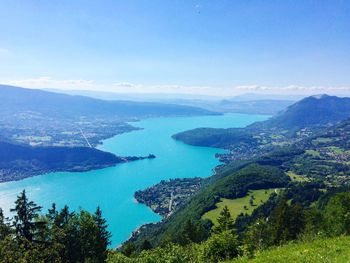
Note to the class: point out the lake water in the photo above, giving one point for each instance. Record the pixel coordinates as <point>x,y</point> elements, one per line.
<point>113,188</point>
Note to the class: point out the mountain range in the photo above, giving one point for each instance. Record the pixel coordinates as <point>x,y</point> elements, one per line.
<point>15,100</point>
<point>246,103</point>
<point>309,113</point>
<point>312,111</point>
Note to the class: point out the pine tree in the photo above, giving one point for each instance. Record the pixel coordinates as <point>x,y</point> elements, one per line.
<point>25,218</point>
<point>102,237</point>
<point>296,221</point>
<point>189,233</point>
<point>279,223</point>
<point>146,245</point>
<point>257,236</point>
<point>128,249</point>
<point>87,237</point>
<point>52,213</point>
<point>62,218</point>
<point>5,229</point>
<point>225,220</point>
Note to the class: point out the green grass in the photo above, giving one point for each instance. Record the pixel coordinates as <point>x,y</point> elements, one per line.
<point>276,136</point>
<point>335,250</point>
<point>336,150</point>
<point>236,206</point>
<point>321,140</point>
<point>313,153</point>
<point>297,178</point>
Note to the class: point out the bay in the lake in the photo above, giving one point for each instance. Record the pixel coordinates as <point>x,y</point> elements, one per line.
<point>112,188</point>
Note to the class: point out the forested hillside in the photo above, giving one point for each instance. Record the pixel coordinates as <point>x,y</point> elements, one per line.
<point>310,201</point>
<point>20,161</point>
<point>302,120</point>
<point>297,121</point>
<point>314,233</point>
<point>321,110</point>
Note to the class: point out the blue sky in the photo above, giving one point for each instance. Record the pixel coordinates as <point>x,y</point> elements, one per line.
<point>205,47</point>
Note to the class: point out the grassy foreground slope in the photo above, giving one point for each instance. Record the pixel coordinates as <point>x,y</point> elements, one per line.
<point>321,250</point>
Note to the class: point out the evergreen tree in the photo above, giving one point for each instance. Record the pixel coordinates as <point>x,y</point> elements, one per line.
<point>337,215</point>
<point>87,236</point>
<point>313,224</point>
<point>257,237</point>
<point>5,229</point>
<point>52,213</point>
<point>102,236</point>
<point>225,220</point>
<point>279,223</point>
<point>26,213</point>
<point>128,249</point>
<point>221,247</point>
<point>296,221</point>
<point>192,232</point>
<point>62,218</point>
<point>146,245</point>
<point>70,225</point>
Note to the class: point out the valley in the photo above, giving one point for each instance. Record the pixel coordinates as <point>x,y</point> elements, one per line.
<point>166,186</point>
<point>174,131</point>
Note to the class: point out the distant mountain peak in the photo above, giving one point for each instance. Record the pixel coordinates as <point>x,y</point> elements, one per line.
<point>317,110</point>
<point>320,96</point>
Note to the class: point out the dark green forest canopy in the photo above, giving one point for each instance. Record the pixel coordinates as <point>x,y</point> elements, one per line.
<point>58,236</point>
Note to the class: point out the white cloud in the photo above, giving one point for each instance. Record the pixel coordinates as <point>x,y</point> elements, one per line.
<point>295,89</point>
<point>169,89</point>
<point>126,87</point>
<point>48,82</point>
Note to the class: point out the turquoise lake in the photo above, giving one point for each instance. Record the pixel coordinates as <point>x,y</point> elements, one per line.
<point>113,188</point>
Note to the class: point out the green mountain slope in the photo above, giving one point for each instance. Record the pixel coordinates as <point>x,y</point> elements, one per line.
<point>309,113</point>
<point>328,169</point>
<point>235,185</point>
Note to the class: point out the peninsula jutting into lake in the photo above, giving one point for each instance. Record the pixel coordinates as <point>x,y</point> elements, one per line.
<point>174,131</point>
<point>113,188</point>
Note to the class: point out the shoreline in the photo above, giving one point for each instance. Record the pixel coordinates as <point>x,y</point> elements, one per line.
<point>76,169</point>
<point>157,219</point>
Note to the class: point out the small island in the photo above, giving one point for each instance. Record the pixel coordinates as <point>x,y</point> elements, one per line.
<point>165,197</point>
